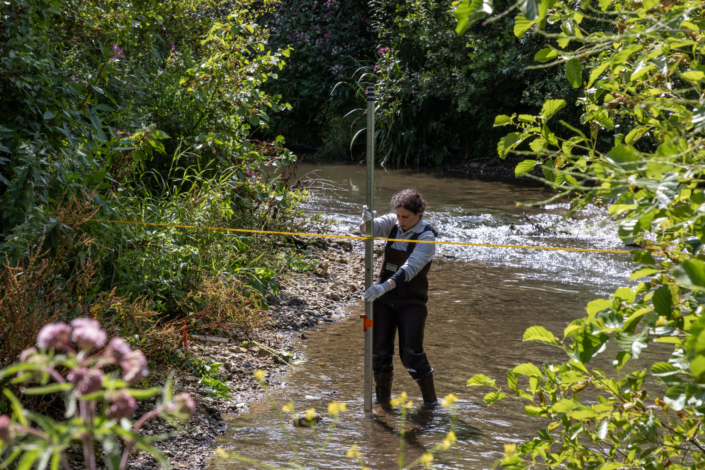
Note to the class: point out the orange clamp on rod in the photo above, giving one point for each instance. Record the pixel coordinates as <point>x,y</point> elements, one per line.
<point>366,322</point>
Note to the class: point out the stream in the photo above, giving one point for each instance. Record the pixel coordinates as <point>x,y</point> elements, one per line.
<point>481,302</point>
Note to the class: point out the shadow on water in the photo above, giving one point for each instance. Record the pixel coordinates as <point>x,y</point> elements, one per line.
<point>481,302</point>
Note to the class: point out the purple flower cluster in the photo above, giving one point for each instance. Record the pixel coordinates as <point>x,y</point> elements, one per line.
<point>382,51</point>
<point>54,336</point>
<point>118,53</point>
<point>134,367</point>
<point>122,405</point>
<point>183,403</point>
<point>336,69</point>
<point>120,133</point>
<point>87,334</point>
<point>86,381</point>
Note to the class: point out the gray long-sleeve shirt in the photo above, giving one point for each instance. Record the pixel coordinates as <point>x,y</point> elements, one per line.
<point>422,254</point>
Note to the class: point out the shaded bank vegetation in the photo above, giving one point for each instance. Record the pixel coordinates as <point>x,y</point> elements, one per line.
<point>137,111</point>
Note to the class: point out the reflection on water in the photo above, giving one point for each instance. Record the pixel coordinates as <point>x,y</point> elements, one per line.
<point>481,302</point>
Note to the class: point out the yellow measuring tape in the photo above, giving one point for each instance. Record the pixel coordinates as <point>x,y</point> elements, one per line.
<point>269,232</point>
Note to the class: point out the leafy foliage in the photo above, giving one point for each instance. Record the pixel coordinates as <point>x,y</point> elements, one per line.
<point>638,151</point>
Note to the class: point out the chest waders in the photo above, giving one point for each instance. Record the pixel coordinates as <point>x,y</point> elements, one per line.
<point>401,309</point>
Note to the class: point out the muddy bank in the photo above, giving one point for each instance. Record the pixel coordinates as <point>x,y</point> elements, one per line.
<point>303,301</point>
<point>491,167</point>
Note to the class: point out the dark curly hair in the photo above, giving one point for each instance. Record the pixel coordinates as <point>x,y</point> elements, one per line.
<point>409,199</point>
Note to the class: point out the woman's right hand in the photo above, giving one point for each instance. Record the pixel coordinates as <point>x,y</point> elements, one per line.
<point>366,217</point>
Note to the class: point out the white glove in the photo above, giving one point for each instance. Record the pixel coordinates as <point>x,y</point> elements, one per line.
<point>366,215</point>
<point>377,290</point>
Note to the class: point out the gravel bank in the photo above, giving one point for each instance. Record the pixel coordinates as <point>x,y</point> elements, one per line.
<point>304,301</point>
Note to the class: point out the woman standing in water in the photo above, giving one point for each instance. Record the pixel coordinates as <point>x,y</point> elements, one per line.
<point>400,294</point>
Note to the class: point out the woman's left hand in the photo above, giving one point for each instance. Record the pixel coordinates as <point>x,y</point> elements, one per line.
<point>377,290</point>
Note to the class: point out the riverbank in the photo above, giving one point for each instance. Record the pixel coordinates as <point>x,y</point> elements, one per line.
<point>304,301</point>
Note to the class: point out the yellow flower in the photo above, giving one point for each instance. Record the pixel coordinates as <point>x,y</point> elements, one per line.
<point>399,401</point>
<point>446,445</point>
<point>310,414</point>
<point>449,400</point>
<point>335,408</point>
<point>509,449</point>
<point>221,452</point>
<point>426,459</point>
<point>288,408</point>
<point>353,452</point>
<point>259,374</point>
<point>451,437</point>
<point>409,405</point>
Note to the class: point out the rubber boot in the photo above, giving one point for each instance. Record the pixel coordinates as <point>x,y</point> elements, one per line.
<point>383,388</point>
<point>428,391</point>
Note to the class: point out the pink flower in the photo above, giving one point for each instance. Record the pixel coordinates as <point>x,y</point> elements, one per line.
<point>54,335</point>
<point>118,349</point>
<point>122,405</point>
<point>183,403</point>
<point>134,366</point>
<point>5,432</point>
<point>87,334</point>
<point>27,354</point>
<point>86,380</point>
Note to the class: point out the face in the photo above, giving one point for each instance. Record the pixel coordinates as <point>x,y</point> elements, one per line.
<point>407,219</point>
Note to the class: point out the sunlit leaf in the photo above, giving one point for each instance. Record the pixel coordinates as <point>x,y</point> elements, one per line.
<point>540,334</point>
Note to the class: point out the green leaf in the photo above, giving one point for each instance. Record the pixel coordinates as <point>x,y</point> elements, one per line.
<point>564,406</point>
<point>597,306</point>
<point>28,459</point>
<point>601,430</point>
<point>625,294</point>
<point>546,54</point>
<point>145,393</point>
<point>663,369</point>
<point>597,71</point>
<point>527,370</point>
<point>663,302</point>
<point>613,465</point>
<point>480,380</point>
<point>574,72</point>
<point>642,272</point>
<point>623,55</point>
<point>529,8</point>
<point>16,407</point>
<point>540,334</point>
<point>507,143</point>
<point>536,410</point>
<point>105,107</point>
<point>691,273</point>
<point>49,115</point>
<point>469,12</point>
<point>522,25</point>
<point>524,167</point>
<point>502,120</point>
<point>493,397</point>
<point>53,388</point>
<point>551,107</point>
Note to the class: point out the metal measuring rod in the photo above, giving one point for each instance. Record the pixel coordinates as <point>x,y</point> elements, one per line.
<point>368,316</point>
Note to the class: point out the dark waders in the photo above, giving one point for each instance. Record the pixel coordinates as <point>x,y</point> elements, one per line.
<point>402,309</point>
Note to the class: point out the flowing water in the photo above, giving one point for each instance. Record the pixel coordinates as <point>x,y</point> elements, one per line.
<point>481,302</point>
